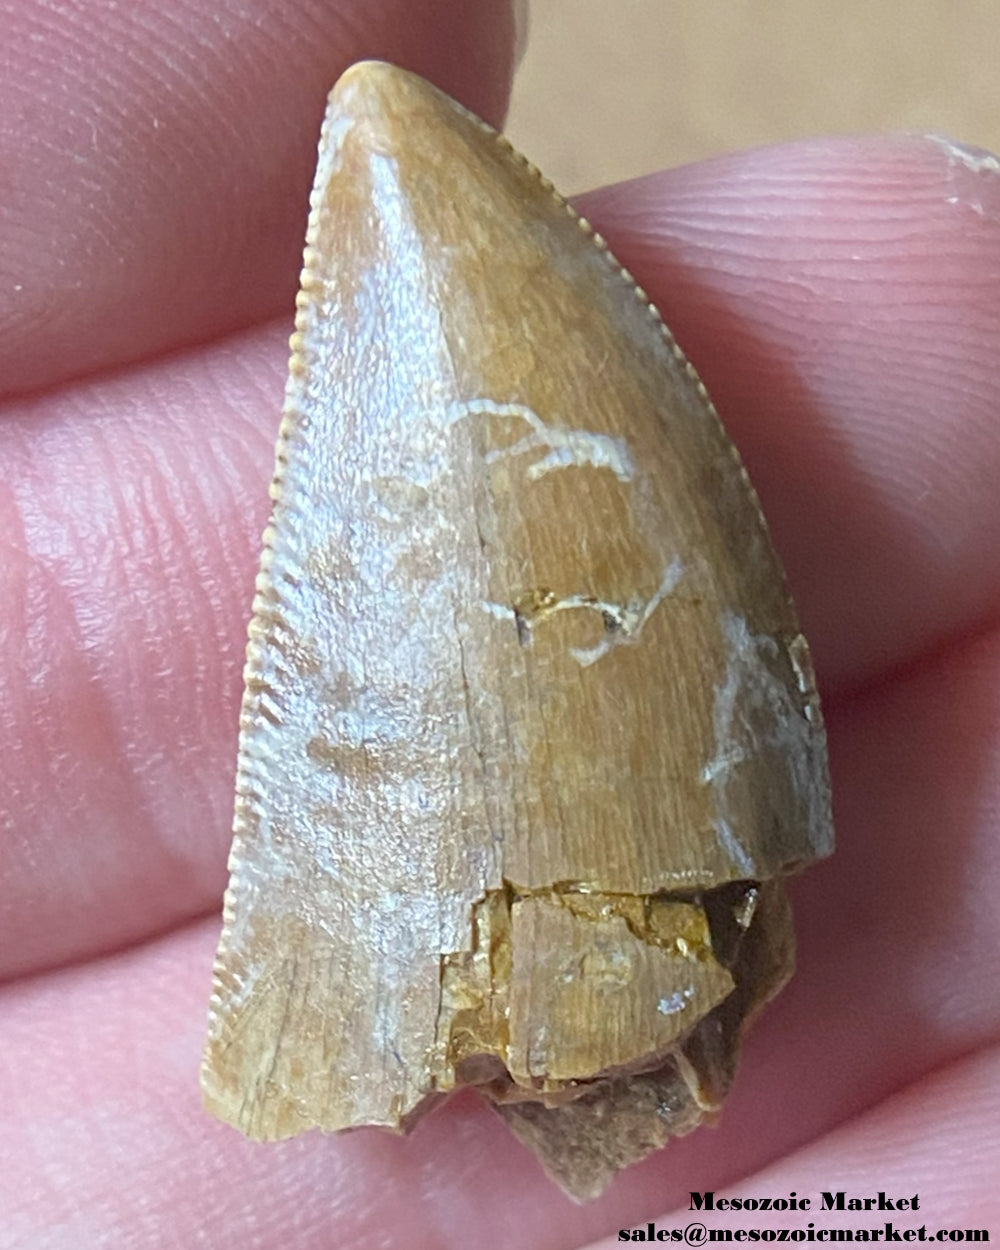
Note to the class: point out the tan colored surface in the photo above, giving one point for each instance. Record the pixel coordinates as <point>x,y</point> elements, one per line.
<point>528,716</point>
<point>614,88</point>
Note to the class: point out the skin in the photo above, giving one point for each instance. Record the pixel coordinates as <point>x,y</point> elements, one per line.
<point>840,298</point>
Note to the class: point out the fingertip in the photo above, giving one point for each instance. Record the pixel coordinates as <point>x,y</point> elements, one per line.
<point>158,159</point>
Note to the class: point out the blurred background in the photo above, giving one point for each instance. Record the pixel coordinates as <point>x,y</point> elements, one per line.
<point>609,89</point>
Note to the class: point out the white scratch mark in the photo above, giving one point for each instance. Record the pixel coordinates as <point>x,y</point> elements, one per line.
<point>757,714</point>
<point>630,618</point>
<point>732,749</point>
<point>500,611</point>
<point>733,847</point>
<point>675,1002</point>
<point>805,677</point>
<point>566,447</point>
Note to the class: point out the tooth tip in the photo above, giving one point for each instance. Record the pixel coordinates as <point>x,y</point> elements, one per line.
<point>377,89</point>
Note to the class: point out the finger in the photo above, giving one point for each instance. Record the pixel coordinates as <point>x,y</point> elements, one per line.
<point>130,523</point>
<point>158,157</point>
<point>105,1133</point>
<point>133,515</point>
<point>841,299</point>
<point>937,1141</point>
<point>895,930</point>
<point>97,1107</point>
<point>894,976</point>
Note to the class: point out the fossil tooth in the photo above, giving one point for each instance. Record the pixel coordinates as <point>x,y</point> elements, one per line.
<point>530,734</point>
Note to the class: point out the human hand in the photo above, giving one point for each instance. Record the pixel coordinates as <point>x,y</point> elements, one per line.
<point>841,301</point>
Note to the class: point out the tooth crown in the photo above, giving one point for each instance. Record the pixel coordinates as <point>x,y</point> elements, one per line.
<point>530,733</point>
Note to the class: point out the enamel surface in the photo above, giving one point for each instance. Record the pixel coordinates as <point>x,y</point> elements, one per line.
<point>529,732</point>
